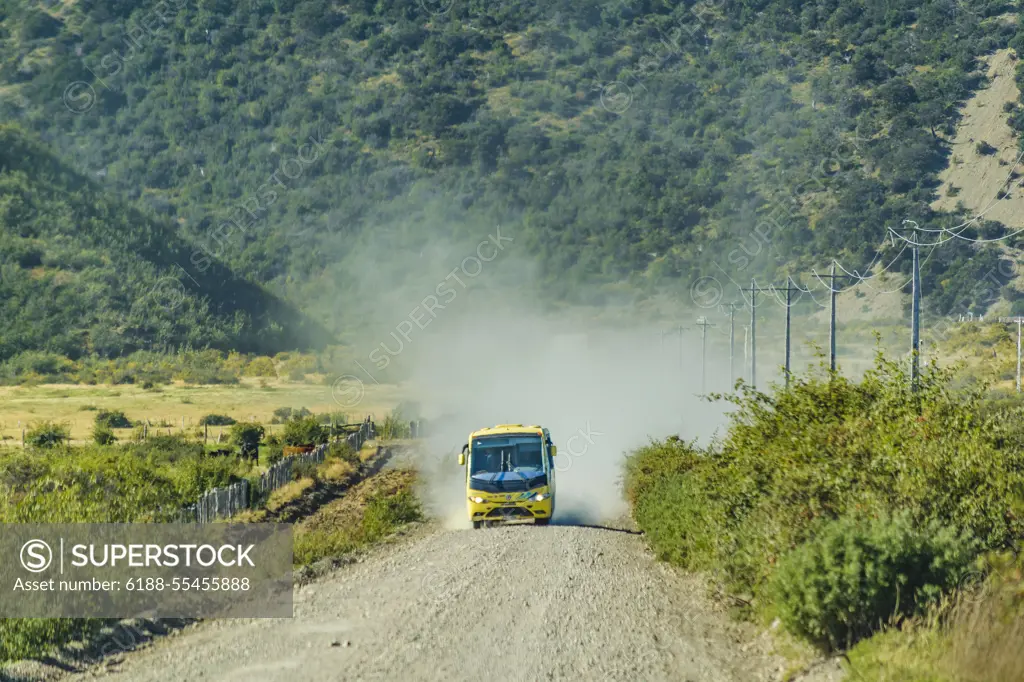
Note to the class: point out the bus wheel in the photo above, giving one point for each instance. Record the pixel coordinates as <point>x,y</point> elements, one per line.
<point>543,522</point>
<point>476,525</point>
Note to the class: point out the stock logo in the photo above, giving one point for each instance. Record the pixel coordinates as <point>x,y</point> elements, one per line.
<point>36,556</point>
<point>168,293</point>
<point>348,390</point>
<point>706,292</point>
<point>616,97</point>
<point>79,97</point>
<point>437,7</point>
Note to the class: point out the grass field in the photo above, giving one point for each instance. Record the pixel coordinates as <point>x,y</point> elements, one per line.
<point>173,405</point>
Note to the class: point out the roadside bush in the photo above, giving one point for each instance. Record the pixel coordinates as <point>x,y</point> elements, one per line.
<point>193,476</point>
<point>48,434</point>
<point>301,470</point>
<point>340,449</point>
<point>102,435</point>
<point>304,431</point>
<point>385,512</point>
<point>857,574</point>
<point>112,419</point>
<point>830,448</point>
<point>216,420</point>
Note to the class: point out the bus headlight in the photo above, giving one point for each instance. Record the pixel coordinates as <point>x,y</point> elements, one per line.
<point>478,500</point>
<point>540,497</point>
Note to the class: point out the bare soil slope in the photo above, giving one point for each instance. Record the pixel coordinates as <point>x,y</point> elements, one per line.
<point>978,178</point>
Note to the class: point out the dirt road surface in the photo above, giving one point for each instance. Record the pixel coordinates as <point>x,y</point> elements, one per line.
<point>515,603</point>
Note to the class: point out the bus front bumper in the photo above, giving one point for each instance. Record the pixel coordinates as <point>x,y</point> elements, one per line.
<point>520,506</point>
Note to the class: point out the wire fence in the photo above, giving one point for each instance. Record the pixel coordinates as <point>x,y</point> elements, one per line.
<point>281,473</point>
<point>225,502</point>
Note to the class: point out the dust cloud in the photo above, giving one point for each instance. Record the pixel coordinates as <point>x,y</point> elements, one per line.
<point>603,382</point>
<point>493,348</point>
<point>602,390</point>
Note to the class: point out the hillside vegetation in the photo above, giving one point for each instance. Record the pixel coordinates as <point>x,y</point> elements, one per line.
<point>641,142</point>
<point>82,274</point>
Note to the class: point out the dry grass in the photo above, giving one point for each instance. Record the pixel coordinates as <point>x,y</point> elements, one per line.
<point>337,471</point>
<point>288,493</point>
<point>171,404</point>
<point>987,641</point>
<point>368,451</point>
<point>974,637</point>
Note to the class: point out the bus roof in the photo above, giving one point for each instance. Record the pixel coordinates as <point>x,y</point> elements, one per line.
<point>507,428</point>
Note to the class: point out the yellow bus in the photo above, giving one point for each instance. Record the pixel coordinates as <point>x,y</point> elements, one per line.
<point>510,474</point>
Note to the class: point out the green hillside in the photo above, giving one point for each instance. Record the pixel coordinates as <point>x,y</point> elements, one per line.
<point>642,142</point>
<point>82,274</point>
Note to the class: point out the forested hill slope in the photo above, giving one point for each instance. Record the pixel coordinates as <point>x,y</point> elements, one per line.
<point>637,141</point>
<point>81,273</point>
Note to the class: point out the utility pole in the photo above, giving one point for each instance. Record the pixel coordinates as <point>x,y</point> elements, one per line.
<point>678,330</point>
<point>915,323</point>
<point>832,317</point>
<point>732,341</point>
<point>753,333</point>
<point>832,292</point>
<point>789,326</point>
<point>704,324</point>
<point>754,290</point>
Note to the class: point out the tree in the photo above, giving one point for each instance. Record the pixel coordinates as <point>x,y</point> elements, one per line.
<point>246,436</point>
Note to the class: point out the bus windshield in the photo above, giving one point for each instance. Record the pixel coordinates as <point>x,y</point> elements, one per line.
<point>514,453</point>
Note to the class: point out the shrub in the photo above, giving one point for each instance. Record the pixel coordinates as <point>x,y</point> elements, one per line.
<point>273,454</point>
<point>260,367</point>
<point>856,574</point>
<point>102,435</point>
<point>394,427</point>
<point>340,449</point>
<point>112,419</point>
<point>823,449</point>
<point>48,434</point>
<point>304,469</point>
<point>216,420</point>
<point>194,475</point>
<point>985,149</point>
<point>283,414</point>
<point>386,512</point>
<point>304,431</point>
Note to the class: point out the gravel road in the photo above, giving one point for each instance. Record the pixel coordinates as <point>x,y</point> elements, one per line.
<point>515,603</point>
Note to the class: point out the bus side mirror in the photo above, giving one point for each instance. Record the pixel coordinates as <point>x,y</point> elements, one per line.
<point>554,451</point>
<point>462,459</point>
